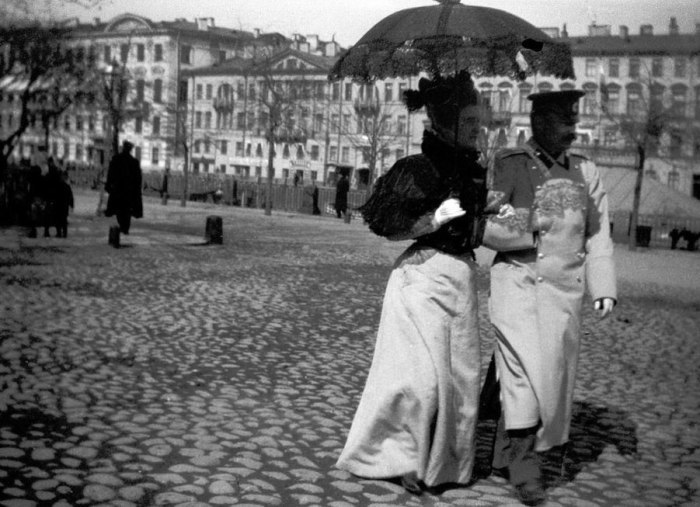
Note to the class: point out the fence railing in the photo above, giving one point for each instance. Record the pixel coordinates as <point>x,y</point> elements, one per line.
<point>653,230</point>
<point>250,193</point>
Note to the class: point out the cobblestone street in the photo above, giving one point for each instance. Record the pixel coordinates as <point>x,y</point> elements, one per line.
<point>169,372</point>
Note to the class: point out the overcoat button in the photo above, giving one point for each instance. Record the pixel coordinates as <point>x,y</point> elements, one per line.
<point>578,278</point>
<point>540,279</point>
<point>540,255</point>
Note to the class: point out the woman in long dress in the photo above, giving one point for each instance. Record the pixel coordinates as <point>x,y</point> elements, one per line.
<point>417,416</point>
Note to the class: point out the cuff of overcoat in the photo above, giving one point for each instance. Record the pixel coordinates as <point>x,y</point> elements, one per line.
<point>600,278</point>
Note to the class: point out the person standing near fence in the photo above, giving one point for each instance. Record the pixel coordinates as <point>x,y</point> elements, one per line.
<point>341,196</point>
<point>551,230</point>
<point>124,187</point>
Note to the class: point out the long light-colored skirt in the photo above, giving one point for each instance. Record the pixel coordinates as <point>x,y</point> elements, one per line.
<point>418,410</point>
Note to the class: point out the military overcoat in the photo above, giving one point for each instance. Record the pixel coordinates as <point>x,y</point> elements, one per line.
<point>555,244</point>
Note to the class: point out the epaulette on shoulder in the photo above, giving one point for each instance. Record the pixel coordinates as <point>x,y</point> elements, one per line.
<point>510,152</point>
<point>578,155</point>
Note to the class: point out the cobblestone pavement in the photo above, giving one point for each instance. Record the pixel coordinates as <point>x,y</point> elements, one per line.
<point>167,372</point>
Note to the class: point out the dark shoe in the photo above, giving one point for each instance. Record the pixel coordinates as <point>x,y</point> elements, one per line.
<point>531,492</point>
<point>412,484</point>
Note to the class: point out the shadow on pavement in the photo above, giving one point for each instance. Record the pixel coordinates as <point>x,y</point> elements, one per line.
<point>593,428</point>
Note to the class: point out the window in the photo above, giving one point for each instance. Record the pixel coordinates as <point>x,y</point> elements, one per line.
<point>318,122</point>
<point>335,123</point>
<point>524,104</point>
<point>678,104</point>
<point>614,67</point>
<point>108,54</point>
<point>198,120</point>
<point>185,54</point>
<point>679,66</point>
<point>138,125</point>
<point>591,67</point>
<point>156,125</point>
<point>66,123</point>
<point>137,153</point>
<point>199,91</point>
<point>207,120</point>
<point>240,90</point>
<point>634,99</point>
<point>240,121</point>
<point>91,123</point>
<point>348,91</point>
<point>183,92</point>
<point>79,123</point>
<point>634,67</point>
<point>223,148</point>
<point>197,146</point>
<point>251,91</point>
<point>209,91</point>
<point>154,155</point>
<point>388,92</point>
<point>314,153</point>
<point>207,146</point>
<point>66,150</point>
<point>401,125</point>
<point>124,48</point>
<point>285,151</point>
<point>504,100</point>
<point>403,86</point>
<point>589,99</point>
<point>140,52</point>
<point>333,154</point>
<point>673,179</point>
<point>613,99</point>
<point>399,153</point>
<point>345,155</point>
<point>335,91</point>
<point>79,152</point>
<point>158,53</point>
<point>300,152</point>
<point>239,149</point>
<point>140,89</point>
<point>657,67</point>
<point>158,91</point>
<point>676,147</point>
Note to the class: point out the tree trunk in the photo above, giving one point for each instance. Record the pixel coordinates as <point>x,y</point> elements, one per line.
<point>634,217</point>
<point>270,174</point>
<point>185,176</point>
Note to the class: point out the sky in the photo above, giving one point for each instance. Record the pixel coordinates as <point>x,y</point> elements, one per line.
<point>348,20</point>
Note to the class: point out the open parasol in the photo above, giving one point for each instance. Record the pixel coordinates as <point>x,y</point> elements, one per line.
<point>449,37</point>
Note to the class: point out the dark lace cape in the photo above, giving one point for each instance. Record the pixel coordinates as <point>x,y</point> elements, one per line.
<point>417,184</point>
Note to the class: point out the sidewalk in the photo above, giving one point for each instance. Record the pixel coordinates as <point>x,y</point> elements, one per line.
<point>172,373</point>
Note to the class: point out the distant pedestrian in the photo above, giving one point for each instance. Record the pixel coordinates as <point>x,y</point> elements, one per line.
<point>124,188</point>
<point>675,235</point>
<point>164,187</point>
<point>62,203</point>
<point>314,199</point>
<point>341,196</point>
<point>52,185</point>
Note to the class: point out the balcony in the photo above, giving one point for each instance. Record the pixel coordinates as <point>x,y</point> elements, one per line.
<point>500,119</point>
<point>223,103</point>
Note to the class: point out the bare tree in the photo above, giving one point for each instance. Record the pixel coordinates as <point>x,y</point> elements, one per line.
<point>374,134</point>
<point>642,125</point>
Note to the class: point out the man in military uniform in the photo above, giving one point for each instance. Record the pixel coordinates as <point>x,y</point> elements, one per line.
<point>124,187</point>
<point>550,226</point>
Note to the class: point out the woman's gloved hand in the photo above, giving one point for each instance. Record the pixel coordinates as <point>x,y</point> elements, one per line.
<point>449,210</point>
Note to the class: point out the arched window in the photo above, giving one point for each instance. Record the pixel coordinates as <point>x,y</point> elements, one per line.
<point>589,99</point>
<point>300,152</point>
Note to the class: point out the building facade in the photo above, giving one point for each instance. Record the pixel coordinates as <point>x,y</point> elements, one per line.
<point>196,99</point>
<point>151,57</point>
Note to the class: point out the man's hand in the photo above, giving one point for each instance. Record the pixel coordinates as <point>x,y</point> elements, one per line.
<point>449,210</point>
<point>604,306</point>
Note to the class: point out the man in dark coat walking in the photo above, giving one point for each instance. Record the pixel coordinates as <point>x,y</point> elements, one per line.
<point>341,196</point>
<point>124,188</point>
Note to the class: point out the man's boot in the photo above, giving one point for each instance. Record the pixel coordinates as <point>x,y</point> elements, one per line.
<point>514,456</point>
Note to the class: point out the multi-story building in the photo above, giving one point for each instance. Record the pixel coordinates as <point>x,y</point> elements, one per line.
<point>151,56</point>
<point>328,126</point>
<point>214,89</point>
<point>632,76</point>
<point>624,72</point>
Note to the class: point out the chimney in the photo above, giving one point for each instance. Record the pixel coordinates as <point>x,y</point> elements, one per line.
<point>256,31</point>
<point>646,30</point>
<point>210,22</point>
<point>202,24</point>
<point>673,27</point>
<point>97,21</point>
<point>564,32</point>
<point>624,32</point>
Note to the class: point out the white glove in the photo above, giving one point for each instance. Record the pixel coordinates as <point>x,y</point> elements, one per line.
<point>449,209</point>
<point>604,306</point>
<point>506,211</point>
